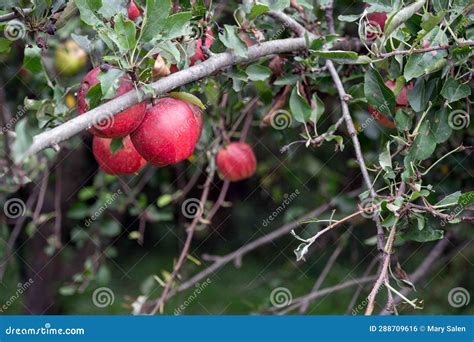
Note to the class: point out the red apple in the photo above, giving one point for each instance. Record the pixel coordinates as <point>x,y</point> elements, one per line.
<point>123,162</point>
<point>199,55</point>
<point>133,11</point>
<point>168,133</point>
<point>236,161</point>
<point>120,124</point>
<point>402,101</point>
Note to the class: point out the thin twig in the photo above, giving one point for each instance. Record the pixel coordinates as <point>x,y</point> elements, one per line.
<point>190,232</point>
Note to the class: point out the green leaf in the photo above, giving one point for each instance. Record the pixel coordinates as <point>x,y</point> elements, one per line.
<point>164,200</point>
<point>343,57</point>
<point>154,19</point>
<point>177,24</point>
<point>441,128</point>
<point>378,94</point>
<point>88,10</point>
<point>116,144</point>
<point>86,193</point>
<point>109,228</point>
<point>449,200</point>
<point>424,235</point>
<point>32,60</point>
<point>300,109</point>
<point>454,91</point>
<point>424,144</point>
<point>257,72</point>
<point>23,140</point>
<point>5,45</point>
<point>232,41</point>
<point>257,10</point>
<point>276,5</point>
<point>425,63</point>
<point>94,96</point>
<point>385,159</point>
<point>109,82</point>
<point>466,199</point>
<point>187,97</point>
<point>125,30</point>
<point>318,111</point>
<point>349,18</point>
<point>403,120</point>
<point>287,79</point>
<point>420,94</point>
<point>402,16</point>
<point>110,8</point>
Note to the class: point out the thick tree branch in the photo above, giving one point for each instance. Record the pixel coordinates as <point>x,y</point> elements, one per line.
<point>215,63</point>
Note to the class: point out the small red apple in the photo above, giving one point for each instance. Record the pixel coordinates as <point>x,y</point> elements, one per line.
<point>199,55</point>
<point>120,124</point>
<point>236,161</point>
<point>169,132</point>
<point>133,11</point>
<point>402,101</point>
<point>123,162</point>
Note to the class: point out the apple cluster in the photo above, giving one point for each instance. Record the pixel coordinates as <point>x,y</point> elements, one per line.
<point>164,132</point>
